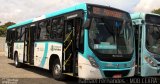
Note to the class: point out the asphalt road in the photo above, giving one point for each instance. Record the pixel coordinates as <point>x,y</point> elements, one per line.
<point>9,74</point>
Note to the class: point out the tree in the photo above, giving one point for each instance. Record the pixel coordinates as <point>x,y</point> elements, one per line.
<point>157,11</point>
<point>3,28</point>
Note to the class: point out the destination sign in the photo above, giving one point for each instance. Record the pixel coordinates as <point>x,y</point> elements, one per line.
<point>108,12</point>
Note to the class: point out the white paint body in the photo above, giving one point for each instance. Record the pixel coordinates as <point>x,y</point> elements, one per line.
<point>39,50</point>
<point>6,50</point>
<point>85,69</point>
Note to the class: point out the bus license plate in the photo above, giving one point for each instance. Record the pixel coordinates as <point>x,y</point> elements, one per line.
<point>117,76</point>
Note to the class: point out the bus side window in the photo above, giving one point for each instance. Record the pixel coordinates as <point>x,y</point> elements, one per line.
<point>12,35</point>
<point>38,30</point>
<point>23,33</point>
<point>42,30</point>
<point>57,28</point>
<point>48,29</point>
<point>8,36</point>
<point>60,27</point>
<point>18,33</point>
<point>53,29</point>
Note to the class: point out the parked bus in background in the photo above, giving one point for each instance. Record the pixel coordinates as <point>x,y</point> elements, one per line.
<point>147,41</point>
<point>87,41</point>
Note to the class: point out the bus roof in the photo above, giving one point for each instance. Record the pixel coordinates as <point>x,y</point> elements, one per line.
<point>81,6</point>
<point>140,15</point>
<point>70,9</point>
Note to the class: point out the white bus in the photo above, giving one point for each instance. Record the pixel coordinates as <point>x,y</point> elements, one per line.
<point>87,41</point>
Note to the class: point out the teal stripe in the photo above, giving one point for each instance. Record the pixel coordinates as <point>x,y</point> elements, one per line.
<point>20,24</point>
<point>49,42</point>
<point>44,55</point>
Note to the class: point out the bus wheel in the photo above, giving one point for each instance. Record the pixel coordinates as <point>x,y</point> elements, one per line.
<point>56,70</point>
<point>16,61</point>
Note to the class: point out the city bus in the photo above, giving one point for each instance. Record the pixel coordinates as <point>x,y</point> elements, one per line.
<point>86,41</point>
<point>147,37</point>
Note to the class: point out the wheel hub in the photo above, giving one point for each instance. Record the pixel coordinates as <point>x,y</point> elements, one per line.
<point>16,61</point>
<point>57,69</point>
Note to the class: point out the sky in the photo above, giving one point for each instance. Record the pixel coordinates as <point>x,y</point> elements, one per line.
<point>20,10</point>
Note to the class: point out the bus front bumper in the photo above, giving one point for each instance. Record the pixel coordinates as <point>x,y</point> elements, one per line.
<point>88,72</point>
<point>150,71</point>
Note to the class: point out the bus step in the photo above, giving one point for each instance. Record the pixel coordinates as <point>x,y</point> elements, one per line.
<point>28,63</point>
<point>70,74</point>
<point>25,62</point>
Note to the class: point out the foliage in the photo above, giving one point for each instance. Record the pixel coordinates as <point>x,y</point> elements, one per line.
<point>157,11</point>
<point>3,28</point>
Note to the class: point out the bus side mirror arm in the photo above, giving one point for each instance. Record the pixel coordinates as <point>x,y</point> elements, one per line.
<point>142,21</point>
<point>134,22</point>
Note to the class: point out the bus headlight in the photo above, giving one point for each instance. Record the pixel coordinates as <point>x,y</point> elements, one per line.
<point>151,62</point>
<point>93,62</point>
<point>129,65</point>
<point>133,64</point>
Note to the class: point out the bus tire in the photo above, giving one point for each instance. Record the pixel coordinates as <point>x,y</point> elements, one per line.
<point>16,61</point>
<point>56,70</point>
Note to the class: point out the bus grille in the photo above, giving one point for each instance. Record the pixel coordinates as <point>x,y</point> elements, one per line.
<point>112,73</point>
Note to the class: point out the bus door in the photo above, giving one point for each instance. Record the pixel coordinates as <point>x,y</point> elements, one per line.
<point>29,45</point>
<point>10,39</point>
<point>70,42</point>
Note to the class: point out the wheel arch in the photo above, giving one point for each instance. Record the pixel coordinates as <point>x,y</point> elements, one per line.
<point>52,59</point>
<point>15,52</point>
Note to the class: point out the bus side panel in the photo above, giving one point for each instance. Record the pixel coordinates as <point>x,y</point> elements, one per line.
<point>153,71</point>
<point>38,52</point>
<point>145,66</point>
<point>6,50</point>
<point>53,48</point>
<point>43,51</point>
<point>19,46</point>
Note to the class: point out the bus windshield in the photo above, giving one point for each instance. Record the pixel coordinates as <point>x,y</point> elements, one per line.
<point>111,36</point>
<point>153,38</point>
<point>153,33</point>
